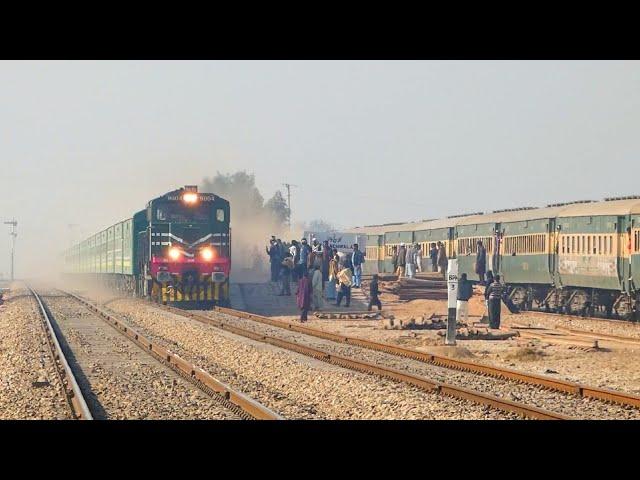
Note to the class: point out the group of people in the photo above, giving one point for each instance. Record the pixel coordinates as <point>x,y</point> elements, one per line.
<point>321,272</point>
<point>407,261</point>
<point>493,295</point>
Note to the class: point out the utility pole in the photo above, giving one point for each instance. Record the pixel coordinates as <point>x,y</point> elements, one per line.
<point>288,187</point>
<point>14,234</point>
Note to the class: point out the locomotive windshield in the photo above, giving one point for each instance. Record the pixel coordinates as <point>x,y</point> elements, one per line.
<point>176,212</point>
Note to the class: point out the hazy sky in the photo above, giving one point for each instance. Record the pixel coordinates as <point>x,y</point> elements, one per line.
<point>89,143</point>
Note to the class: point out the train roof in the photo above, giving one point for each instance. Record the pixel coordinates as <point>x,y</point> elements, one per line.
<point>627,206</point>
<point>611,206</point>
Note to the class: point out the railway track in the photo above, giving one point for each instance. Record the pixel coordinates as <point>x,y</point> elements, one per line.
<point>116,379</point>
<point>600,394</point>
<point>357,364</point>
<point>74,396</point>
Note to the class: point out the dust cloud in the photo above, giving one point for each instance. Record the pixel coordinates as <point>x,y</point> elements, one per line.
<point>253,222</point>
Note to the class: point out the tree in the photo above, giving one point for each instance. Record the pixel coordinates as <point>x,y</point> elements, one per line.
<point>241,191</point>
<point>278,208</point>
<point>319,225</point>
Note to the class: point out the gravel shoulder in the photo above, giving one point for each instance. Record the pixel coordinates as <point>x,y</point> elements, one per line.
<point>292,384</point>
<point>29,384</point>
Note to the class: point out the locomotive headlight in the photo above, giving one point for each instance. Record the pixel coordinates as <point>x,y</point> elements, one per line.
<point>207,254</point>
<point>174,253</point>
<point>190,197</point>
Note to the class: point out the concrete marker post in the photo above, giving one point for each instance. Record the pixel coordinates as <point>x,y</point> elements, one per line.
<point>452,297</point>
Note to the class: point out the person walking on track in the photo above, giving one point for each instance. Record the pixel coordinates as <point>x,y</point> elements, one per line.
<point>373,293</point>
<point>304,296</point>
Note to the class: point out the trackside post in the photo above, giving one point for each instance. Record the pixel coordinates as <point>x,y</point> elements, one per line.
<point>452,289</point>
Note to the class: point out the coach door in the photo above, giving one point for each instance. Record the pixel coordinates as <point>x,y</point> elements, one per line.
<point>623,230</point>
<point>552,248</point>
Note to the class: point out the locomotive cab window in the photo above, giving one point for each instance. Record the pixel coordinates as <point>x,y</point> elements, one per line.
<point>220,215</point>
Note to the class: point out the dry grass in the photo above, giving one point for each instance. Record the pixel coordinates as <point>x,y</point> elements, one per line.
<point>525,354</point>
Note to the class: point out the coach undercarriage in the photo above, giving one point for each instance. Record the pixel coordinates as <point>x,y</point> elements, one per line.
<point>576,301</point>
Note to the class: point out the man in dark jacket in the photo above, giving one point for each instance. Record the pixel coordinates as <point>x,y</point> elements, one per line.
<point>443,260</point>
<point>495,292</point>
<point>465,292</point>
<point>357,259</point>
<point>433,254</point>
<point>274,258</point>
<point>373,293</point>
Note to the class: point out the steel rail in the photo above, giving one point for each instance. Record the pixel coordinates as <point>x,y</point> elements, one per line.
<point>373,369</point>
<point>75,398</point>
<point>232,399</point>
<point>600,336</point>
<point>565,386</point>
<point>570,316</point>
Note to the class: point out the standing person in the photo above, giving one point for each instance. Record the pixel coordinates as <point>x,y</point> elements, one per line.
<point>344,283</point>
<point>316,254</point>
<point>281,250</point>
<point>402,260</point>
<point>304,257</point>
<point>326,258</point>
<point>495,290</point>
<point>433,255</point>
<point>316,288</point>
<point>274,259</point>
<point>357,259</point>
<point>373,293</point>
<point>285,275</point>
<point>465,291</point>
<point>486,290</point>
<point>418,258</point>
<point>410,260</point>
<point>394,258</point>
<point>330,290</point>
<point>304,296</point>
<point>481,262</point>
<point>294,250</point>
<point>443,261</point>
